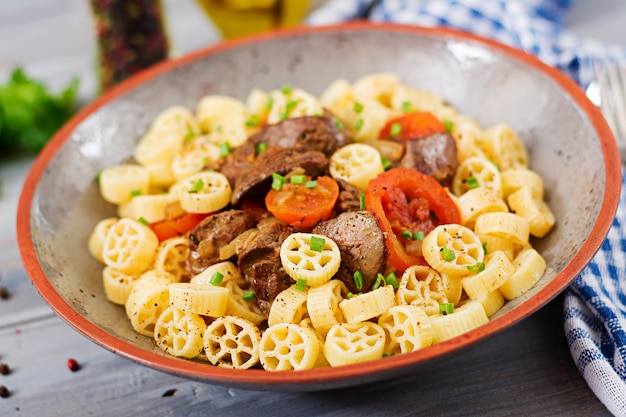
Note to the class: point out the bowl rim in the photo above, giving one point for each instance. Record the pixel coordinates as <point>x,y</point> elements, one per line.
<point>323,378</point>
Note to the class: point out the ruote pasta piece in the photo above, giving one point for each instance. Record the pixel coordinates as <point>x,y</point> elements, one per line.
<point>492,302</point>
<point>171,257</point>
<point>477,201</point>
<point>535,210</point>
<point>193,158</point>
<point>290,103</point>
<point>464,318</point>
<point>504,147</point>
<point>232,342</point>
<point>529,268</point>
<point>321,359</point>
<point>323,304</point>
<point>494,243</point>
<point>380,87</point>
<point>477,172</point>
<point>466,134</point>
<point>451,248</point>
<point>368,305</point>
<point>147,300</point>
<point>288,346</point>
<point>130,246</point>
<point>98,236</point>
<point>117,285</point>
<point>226,269</point>
<point>120,183</point>
<point>241,303</point>
<point>422,286</point>
<point>179,333</point>
<point>407,328</point>
<point>515,178</point>
<point>349,343</point>
<point>206,300</point>
<point>310,257</point>
<point>504,225</point>
<point>151,207</point>
<point>205,192</point>
<point>338,98</point>
<point>289,306</point>
<point>356,163</point>
<point>497,270</point>
<point>213,109</point>
<point>159,146</point>
<point>176,119</point>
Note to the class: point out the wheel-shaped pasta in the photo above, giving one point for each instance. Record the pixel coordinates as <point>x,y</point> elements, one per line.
<point>293,103</point>
<point>407,328</point>
<point>205,192</point>
<point>477,201</point>
<point>179,333</point>
<point>226,269</point>
<point>171,257</point>
<point>151,207</point>
<point>129,247</point>
<point>289,306</point>
<point>211,110</point>
<point>423,287</point>
<point>321,359</point>
<point>117,285</point>
<point>98,235</point>
<point>380,87</point>
<point>232,342</point>
<point>176,119</point>
<point>452,288</point>
<point>338,98</point>
<point>496,271</point>
<point>257,103</point>
<point>504,147</point>
<point>494,243</point>
<point>323,304</point>
<point>406,98</point>
<point>477,172</point>
<point>535,210</point>
<point>120,183</point>
<point>368,305</point>
<point>504,225</point>
<point>161,175</point>
<point>492,302</point>
<point>147,300</point>
<point>452,249</point>
<point>516,178</point>
<point>159,146</point>
<point>316,265</point>
<point>193,158</point>
<point>368,122</point>
<point>466,134</point>
<point>240,305</point>
<point>206,300</point>
<point>349,343</point>
<point>468,316</point>
<point>288,346</point>
<point>529,268</point>
<point>356,163</point>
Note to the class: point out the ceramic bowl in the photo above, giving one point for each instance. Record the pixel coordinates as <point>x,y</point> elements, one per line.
<point>570,146</point>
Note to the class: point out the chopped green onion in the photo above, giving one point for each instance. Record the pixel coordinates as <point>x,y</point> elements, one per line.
<point>286,89</point>
<point>197,187</point>
<point>485,247</point>
<point>419,235</point>
<point>216,279</point>
<point>358,279</point>
<point>358,107</point>
<point>248,295</point>
<point>311,184</point>
<point>301,284</point>
<point>142,220</point>
<point>446,308</point>
<point>362,202</point>
<point>350,295</point>
<point>477,267</point>
<point>253,121</point>
<point>269,103</point>
<point>297,179</point>
<point>407,106</point>
<point>205,161</point>
<point>288,107</point>
<point>278,181</point>
<point>380,280</point>
<point>218,128</point>
<point>406,234</point>
<point>448,254</point>
<point>448,125</point>
<point>338,123</point>
<point>495,164</point>
<point>260,147</point>
<point>224,149</point>
<point>396,129</point>
<point>472,182</point>
<point>386,162</point>
<point>392,280</point>
<point>317,244</point>
<point>98,175</point>
<point>190,133</point>
<point>359,123</point>
<point>135,193</point>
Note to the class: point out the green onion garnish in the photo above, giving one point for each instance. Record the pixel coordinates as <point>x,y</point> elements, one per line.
<point>286,89</point>
<point>396,129</point>
<point>253,121</point>
<point>406,234</point>
<point>358,107</point>
<point>496,165</point>
<point>301,284</point>
<point>317,244</point>
<point>288,107</point>
<point>448,125</point>
<point>485,247</point>
<point>362,202</point>
<point>260,147</point>
<point>419,235</point>
<point>218,128</point>
<point>98,175</point>
<point>338,123</point>
<point>205,161</point>
<point>190,133</point>
<point>446,308</point>
<point>359,123</point>
<point>472,182</point>
<point>142,220</point>
<point>278,181</point>
<point>448,254</point>
<point>477,267</point>
<point>350,295</point>
<point>311,184</point>
<point>135,193</point>
<point>197,187</point>
<point>392,280</point>
<point>216,279</point>
<point>297,179</point>
<point>386,162</point>
<point>248,295</point>
<point>358,279</point>
<point>380,280</point>
<point>269,103</point>
<point>407,106</point>
<point>224,149</point>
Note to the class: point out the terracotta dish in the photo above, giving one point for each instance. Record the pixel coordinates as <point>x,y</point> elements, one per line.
<point>570,146</point>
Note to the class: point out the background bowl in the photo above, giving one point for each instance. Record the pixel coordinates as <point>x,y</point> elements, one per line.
<point>570,146</point>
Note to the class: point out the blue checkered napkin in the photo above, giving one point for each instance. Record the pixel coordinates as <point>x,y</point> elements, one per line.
<point>531,25</point>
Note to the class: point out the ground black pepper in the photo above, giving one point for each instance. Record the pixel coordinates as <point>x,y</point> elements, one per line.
<point>4,369</point>
<point>4,392</point>
<point>4,293</point>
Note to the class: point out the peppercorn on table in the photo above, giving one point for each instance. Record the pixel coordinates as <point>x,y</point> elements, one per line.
<point>47,368</point>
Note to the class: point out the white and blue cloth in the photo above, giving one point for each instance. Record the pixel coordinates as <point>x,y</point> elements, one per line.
<point>595,303</point>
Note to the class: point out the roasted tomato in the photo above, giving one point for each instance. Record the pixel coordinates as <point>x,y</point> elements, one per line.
<point>176,226</point>
<point>413,125</point>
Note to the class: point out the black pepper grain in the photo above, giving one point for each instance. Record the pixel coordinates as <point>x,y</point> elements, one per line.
<point>4,369</point>
<point>4,392</point>
<point>4,293</point>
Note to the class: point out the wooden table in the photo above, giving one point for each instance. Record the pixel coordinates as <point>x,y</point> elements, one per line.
<point>525,370</point>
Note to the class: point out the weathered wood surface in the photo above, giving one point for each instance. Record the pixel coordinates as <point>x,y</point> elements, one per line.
<point>525,370</point>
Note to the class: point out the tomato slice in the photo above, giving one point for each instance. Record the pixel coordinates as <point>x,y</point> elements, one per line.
<point>178,226</point>
<point>406,199</point>
<point>303,207</point>
<point>413,125</point>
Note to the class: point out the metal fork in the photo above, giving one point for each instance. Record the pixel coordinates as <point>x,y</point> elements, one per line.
<point>608,92</point>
